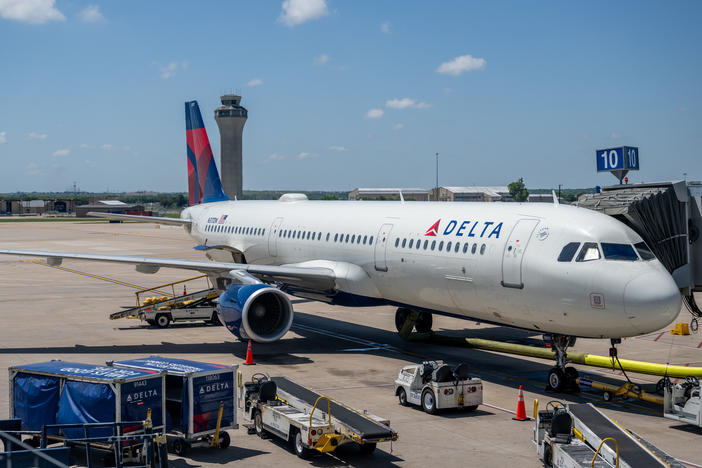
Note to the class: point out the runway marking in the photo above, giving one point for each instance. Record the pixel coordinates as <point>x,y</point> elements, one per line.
<point>353,387</point>
<point>94,276</point>
<point>659,336</point>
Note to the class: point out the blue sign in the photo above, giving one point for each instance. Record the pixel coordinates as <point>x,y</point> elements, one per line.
<point>618,159</point>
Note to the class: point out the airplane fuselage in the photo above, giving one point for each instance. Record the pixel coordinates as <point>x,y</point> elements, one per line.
<point>492,262</point>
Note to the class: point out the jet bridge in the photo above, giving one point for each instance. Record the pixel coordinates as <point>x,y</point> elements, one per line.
<point>668,216</point>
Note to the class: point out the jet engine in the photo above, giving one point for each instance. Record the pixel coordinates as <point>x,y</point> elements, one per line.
<point>255,311</point>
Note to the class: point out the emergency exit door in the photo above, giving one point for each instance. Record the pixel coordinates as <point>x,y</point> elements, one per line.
<point>513,254</point>
<point>381,244</point>
<point>273,237</point>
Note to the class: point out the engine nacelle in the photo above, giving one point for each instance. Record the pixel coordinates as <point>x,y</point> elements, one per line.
<point>255,311</point>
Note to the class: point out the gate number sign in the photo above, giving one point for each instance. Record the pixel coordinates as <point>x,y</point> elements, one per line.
<point>618,159</point>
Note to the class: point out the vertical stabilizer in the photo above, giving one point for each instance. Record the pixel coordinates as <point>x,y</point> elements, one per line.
<point>204,185</point>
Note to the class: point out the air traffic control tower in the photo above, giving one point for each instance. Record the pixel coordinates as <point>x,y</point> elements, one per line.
<point>231,117</point>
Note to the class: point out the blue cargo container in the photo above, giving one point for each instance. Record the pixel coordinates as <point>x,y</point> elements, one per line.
<point>60,392</point>
<point>194,392</point>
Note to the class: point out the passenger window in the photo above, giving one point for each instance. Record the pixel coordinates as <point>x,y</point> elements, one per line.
<point>347,238</point>
<point>458,245</point>
<point>441,246</point>
<point>465,247</point>
<point>588,252</point>
<point>426,243</point>
<point>370,241</point>
<point>365,238</point>
<point>397,242</point>
<point>475,247</point>
<point>433,245</point>
<point>568,252</point>
<point>328,235</point>
<point>358,239</point>
<point>404,242</point>
<point>410,243</point>
<point>619,252</point>
<point>353,238</point>
<point>448,247</point>
<point>482,249</point>
<point>419,243</point>
<point>336,236</point>
<point>263,232</point>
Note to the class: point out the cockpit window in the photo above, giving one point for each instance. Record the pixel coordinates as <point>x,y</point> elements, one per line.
<point>568,252</point>
<point>588,252</point>
<point>644,251</point>
<point>619,252</point>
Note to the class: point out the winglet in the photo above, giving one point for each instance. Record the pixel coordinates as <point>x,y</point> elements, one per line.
<point>555,198</point>
<point>402,199</point>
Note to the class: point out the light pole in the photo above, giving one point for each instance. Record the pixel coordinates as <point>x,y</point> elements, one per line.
<point>437,176</point>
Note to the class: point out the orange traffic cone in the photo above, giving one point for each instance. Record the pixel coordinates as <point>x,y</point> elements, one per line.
<point>521,408</point>
<point>249,356</point>
<point>185,291</point>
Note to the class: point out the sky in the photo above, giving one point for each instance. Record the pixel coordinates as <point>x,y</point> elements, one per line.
<point>345,94</point>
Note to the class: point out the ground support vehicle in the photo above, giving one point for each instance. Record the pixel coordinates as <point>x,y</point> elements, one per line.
<point>434,386</point>
<point>87,404</point>
<point>682,401</point>
<point>579,436</point>
<point>200,400</point>
<point>308,421</point>
<point>169,306</point>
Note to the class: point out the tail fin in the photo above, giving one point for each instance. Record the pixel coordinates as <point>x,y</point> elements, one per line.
<point>204,185</point>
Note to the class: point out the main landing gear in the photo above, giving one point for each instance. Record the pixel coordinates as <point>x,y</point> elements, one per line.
<point>421,321</point>
<point>560,377</point>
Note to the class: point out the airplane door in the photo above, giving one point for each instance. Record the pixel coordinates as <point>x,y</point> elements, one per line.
<point>273,237</point>
<point>514,253</point>
<point>381,244</point>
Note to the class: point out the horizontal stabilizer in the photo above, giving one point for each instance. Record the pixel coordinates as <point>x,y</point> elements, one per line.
<point>142,219</point>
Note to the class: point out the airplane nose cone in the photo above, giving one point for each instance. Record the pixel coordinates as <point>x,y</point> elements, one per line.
<point>652,301</point>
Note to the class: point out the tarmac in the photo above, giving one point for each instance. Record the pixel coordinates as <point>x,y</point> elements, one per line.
<point>352,355</point>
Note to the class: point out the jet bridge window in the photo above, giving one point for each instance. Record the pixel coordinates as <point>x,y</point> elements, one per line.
<point>619,252</point>
<point>568,252</point>
<point>644,251</point>
<point>588,252</point>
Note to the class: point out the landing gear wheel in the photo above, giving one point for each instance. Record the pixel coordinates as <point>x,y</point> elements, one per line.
<point>556,380</point>
<point>224,440</point>
<point>428,401</point>
<point>424,322</point>
<point>180,447</point>
<point>258,425</point>
<point>163,320</point>
<point>400,317</point>
<point>300,450</point>
<point>572,373</point>
<point>402,396</point>
<point>367,449</point>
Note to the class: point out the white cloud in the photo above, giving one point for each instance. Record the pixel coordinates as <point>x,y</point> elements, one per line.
<point>274,157</point>
<point>296,12</point>
<point>36,136</point>
<point>374,113</point>
<point>32,169</point>
<point>385,27</point>
<point>614,136</point>
<point>91,14</point>
<point>107,147</point>
<point>126,148</point>
<point>406,103</point>
<point>3,137</point>
<point>30,11</point>
<point>90,163</point>
<point>399,126</point>
<point>448,90</point>
<point>461,64</point>
<point>170,70</point>
<point>255,82</point>
<point>304,155</point>
<point>321,59</point>
<point>62,153</point>
<point>339,149</point>
<point>85,145</point>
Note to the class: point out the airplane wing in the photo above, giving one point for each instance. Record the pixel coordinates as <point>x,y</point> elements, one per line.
<point>142,219</point>
<point>315,278</point>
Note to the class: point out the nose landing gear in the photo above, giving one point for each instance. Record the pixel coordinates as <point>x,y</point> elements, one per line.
<point>560,377</point>
<point>407,319</point>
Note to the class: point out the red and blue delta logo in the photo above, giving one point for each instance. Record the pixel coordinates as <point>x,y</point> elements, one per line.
<point>467,228</point>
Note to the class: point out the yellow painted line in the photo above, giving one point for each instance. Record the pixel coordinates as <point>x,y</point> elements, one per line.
<point>94,276</point>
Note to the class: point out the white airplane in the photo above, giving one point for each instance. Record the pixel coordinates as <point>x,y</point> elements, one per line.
<point>558,270</point>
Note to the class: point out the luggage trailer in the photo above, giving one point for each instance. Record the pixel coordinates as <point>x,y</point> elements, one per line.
<point>580,435</point>
<point>81,396</point>
<point>287,410</point>
<point>200,400</point>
